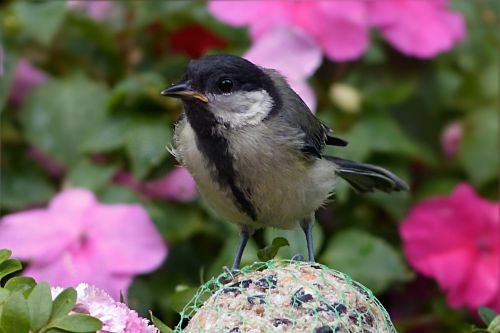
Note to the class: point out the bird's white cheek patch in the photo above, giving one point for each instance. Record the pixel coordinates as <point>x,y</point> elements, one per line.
<point>241,108</point>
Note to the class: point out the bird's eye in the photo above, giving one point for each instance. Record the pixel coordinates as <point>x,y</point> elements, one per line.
<point>225,85</point>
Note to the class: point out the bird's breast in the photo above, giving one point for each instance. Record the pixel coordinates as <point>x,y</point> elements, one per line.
<point>273,178</point>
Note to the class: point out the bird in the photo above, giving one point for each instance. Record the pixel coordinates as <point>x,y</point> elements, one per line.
<point>255,149</point>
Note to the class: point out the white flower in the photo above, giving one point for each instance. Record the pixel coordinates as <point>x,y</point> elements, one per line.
<point>115,316</point>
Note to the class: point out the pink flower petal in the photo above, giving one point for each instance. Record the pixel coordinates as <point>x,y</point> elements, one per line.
<point>26,77</point>
<point>301,59</point>
<point>299,56</point>
<point>456,239</point>
<point>36,235</point>
<point>460,259</point>
<point>339,27</point>
<point>236,13</point>
<point>73,204</point>
<point>451,137</point>
<point>484,282</point>
<point>241,13</point>
<point>418,28</point>
<point>80,267</point>
<point>96,9</point>
<point>177,185</point>
<point>77,239</point>
<point>495,303</point>
<point>125,239</point>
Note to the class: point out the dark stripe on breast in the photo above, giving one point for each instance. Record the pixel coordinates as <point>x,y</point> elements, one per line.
<point>216,149</point>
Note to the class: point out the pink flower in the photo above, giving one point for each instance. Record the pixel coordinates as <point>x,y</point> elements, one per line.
<point>418,28</point>
<point>96,9</point>
<point>26,77</point>
<point>340,28</point>
<point>115,316</point>
<point>451,137</point>
<point>177,185</point>
<point>77,239</point>
<point>456,240</point>
<point>301,59</point>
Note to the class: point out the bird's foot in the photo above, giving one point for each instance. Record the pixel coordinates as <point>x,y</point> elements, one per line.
<point>230,275</point>
<point>298,257</point>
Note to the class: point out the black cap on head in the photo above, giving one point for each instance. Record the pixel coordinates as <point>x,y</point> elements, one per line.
<point>219,74</point>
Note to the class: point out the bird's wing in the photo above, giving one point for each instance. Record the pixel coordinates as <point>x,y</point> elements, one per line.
<point>297,114</point>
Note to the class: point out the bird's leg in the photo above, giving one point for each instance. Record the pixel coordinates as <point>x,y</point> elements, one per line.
<point>307,225</point>
<point>244,236</point>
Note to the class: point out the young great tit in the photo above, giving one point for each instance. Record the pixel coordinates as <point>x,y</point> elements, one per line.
<point>255,149</point>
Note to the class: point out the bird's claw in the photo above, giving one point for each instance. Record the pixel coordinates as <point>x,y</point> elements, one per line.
<point>298,257</point>
<point>230,275</point>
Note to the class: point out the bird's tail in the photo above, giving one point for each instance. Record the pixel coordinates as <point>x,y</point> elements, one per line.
<point>365,178</point>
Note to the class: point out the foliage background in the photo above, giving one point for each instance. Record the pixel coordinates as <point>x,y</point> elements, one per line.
<point>101,113</point>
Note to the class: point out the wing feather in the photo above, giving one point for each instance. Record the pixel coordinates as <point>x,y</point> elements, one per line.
<point>298,115</point>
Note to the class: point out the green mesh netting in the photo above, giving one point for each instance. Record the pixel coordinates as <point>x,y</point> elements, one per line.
<point>284,296</point>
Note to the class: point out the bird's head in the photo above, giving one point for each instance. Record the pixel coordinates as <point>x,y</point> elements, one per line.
<point>234,90</point>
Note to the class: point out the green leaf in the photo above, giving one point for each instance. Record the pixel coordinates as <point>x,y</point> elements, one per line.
<point>40,306</point>
<point>42,19</point>
<point>77,322</point>
<point>270,251</point>
<point>113,193</point>
<point>4,255</point>
<point>9,266</point>
<point>21,284</point>
<point>15,315</point>
<point>55,330</point>
<point>4,293</point>
<point>176,223</point>
<point>181,297</point>
<point>136,86</point>
<point>145,144</point>
<point>110,135</point>
<point>63,303</point>
<point>159,324</point>
<point>23,186</point>
<point>90,175</point>
<point>368,131</point>
<point>487,314</point>
<point>391,91</point>
<point>479,141</point>
<point>296,238</point>
<point>60,115</point>
<point>368,259</point>
<point>7,78</point>
<point>494,326</point>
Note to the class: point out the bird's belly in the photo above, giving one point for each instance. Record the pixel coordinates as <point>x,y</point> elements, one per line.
<point>286,193</point>
<point>283,187</point>
<point>282,197</point>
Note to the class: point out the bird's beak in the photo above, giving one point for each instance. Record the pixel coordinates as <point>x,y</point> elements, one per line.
<point>181,90</point>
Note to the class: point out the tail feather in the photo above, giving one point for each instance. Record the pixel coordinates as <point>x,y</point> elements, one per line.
<point>365,178</point>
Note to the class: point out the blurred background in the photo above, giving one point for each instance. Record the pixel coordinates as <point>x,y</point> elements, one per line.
<point>413,85</point>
